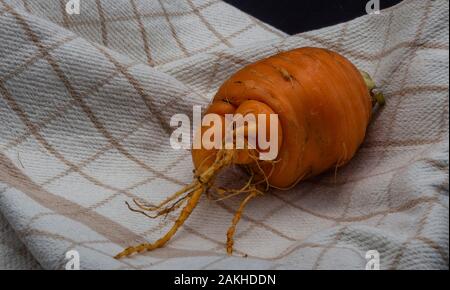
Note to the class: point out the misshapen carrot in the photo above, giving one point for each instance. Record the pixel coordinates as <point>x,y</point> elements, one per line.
<point>324,104</point>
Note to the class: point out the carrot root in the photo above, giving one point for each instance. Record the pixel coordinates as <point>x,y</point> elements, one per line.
<point>192,202</point>
<point>192,192</point>
<point>236,218</point>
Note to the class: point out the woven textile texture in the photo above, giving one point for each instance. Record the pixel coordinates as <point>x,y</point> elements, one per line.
<point>85,105</point>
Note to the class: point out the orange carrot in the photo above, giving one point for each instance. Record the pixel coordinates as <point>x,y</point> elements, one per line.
<point>324,104</point>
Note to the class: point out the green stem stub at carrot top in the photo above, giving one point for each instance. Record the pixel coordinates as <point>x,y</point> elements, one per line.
<point>377,96</point>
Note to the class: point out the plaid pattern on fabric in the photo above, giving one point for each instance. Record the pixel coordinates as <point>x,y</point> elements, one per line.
<point>85,104</point>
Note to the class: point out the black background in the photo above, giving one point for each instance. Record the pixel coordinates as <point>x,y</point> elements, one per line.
<point>295,16</point>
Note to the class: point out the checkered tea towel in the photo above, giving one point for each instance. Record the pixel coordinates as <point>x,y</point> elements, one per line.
<point>85,105</point>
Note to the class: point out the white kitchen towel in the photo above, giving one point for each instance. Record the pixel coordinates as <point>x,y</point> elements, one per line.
<point>85,104</point>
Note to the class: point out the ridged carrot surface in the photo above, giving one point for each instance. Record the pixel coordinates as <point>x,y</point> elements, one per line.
<point>324,104</point>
